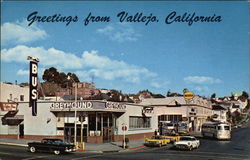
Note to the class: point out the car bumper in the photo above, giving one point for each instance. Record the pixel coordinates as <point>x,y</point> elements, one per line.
<point>181,146</point>
<point>70,150</point>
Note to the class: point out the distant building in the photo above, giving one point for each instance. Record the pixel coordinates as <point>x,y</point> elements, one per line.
<point>177,109</point>
<point>13,93</point>
<point>84,90</point>
<point>10,97</point>
<point>219,113</point>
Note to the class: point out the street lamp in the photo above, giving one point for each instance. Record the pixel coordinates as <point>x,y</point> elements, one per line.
<point>69,78</point>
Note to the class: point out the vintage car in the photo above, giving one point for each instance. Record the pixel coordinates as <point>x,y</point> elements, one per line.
<point>156,141</point>
<point>173,137</point>
<point>183,133</point>
<point>176,136</point>
<point>187,142</point>
<point>51,145</point>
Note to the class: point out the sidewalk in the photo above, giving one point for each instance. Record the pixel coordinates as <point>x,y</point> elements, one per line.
<point>196,134</point>
<point>89,147</point>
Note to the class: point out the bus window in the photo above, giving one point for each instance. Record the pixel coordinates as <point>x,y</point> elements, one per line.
<point>219,128</point>
<point>226,127</point>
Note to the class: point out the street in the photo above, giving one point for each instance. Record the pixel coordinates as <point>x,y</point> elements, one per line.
<point>236,149</point>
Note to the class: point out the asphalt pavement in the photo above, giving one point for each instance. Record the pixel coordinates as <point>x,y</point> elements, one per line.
<point>236,149</point>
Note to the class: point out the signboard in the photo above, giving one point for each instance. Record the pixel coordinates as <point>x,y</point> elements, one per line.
<point>33,87</point>
<point>188,95</point>
<point>8,106</point>
<point>82,105</point>
<point>146,110</point>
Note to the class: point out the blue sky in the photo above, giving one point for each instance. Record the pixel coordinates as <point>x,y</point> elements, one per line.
<point>205,57</point>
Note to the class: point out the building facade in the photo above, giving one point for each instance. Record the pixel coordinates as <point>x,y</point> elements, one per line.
<point>193,112</point>
<point>13,93</point>
<point>96,121</point>
<point>84,90</point>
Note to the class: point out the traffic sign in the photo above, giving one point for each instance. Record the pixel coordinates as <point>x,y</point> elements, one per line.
<point>124,128</point>
<point>188,95</point>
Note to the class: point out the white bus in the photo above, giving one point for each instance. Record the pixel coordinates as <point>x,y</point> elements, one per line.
<point>216,130</point>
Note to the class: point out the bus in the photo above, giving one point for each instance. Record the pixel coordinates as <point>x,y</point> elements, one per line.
<point>216,130</point>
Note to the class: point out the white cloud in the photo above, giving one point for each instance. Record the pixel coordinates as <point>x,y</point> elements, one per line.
<point>50,57</point>
<point>119,32</point>
<point>203,89</point>
<point>108,69</point>
<point>202,80</point>
<point>159,84</point>
<point>20,32</point>
<point>89,64</point>
<point>22,72</point>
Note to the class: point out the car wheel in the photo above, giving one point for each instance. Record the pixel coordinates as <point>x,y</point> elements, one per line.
<point>57,152</point>
<point>191,148</point>
<point>32,149</point>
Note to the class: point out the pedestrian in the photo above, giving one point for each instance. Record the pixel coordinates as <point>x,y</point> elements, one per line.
<point>156,132</point>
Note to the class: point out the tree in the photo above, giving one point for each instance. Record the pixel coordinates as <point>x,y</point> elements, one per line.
<point>245,95</point>
<point>51,75</point>
<point>213,96</point>
<point>73,77</point>
<point>62,80</point>
<point>168,93</point>
<point>185,90</point>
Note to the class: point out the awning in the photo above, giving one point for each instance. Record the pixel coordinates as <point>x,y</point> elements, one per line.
<point>11,118</point>
<point>16,117</point>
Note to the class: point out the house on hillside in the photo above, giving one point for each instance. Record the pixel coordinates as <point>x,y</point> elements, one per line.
<point>219,113</point>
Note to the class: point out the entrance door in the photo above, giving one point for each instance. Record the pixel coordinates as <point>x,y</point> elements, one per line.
<point>21,130</point>
<point>108,134</point>
<point>69,134</point>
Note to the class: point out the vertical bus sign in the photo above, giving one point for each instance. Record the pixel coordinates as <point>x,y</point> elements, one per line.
<point>33,87</point>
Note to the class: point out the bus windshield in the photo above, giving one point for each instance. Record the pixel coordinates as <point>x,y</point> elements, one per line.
<point>223,128</point>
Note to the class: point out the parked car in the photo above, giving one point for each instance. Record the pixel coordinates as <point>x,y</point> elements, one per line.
<point>183,133</point>
<point>176,136</point>
<point>173,137</point>
<point>156,141</point>
<point>187,142</point>
<point>57,146</point>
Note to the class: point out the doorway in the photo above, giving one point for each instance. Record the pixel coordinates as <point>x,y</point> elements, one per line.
<point>108,134</point>
<point>21,130</point>
<point>69,132</point>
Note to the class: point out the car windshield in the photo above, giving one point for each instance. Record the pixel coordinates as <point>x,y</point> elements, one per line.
<point>58,142</point>
<point>53,141</point>
<point>187,139</point>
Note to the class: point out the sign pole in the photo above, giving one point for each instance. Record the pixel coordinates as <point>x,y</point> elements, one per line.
<point>124,138</point>
<point>33,94</point>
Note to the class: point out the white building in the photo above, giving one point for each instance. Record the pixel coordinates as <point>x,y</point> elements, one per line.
<point>194,112</point>
<point>219,113</point>
<point>13,93</point>
<point>102,122</point>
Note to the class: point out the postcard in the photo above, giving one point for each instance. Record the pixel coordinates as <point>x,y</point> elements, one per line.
<point>108,79</point>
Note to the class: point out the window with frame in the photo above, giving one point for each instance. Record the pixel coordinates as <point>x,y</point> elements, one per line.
<point>21,97</point>
<point>139,122</point>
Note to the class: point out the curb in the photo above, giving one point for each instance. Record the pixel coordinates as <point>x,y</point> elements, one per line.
<point>134,148</point>
<point>89,151</point>
<point>86,151</point>
<point>14,144</point>
<point>130,149</point>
